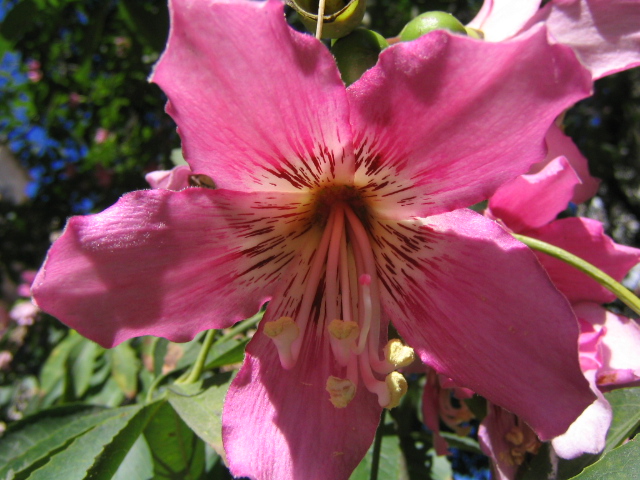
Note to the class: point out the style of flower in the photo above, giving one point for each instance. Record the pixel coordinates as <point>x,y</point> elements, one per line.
<point>343,208</point>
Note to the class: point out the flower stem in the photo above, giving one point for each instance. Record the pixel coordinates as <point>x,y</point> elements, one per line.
<point>196,371</point>
<point>377,444</point>
<point>620,291</point>
<point>320,19</point>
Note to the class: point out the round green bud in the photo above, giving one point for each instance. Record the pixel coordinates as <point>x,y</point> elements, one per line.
<point>428,22</point>
<point>357,52</point>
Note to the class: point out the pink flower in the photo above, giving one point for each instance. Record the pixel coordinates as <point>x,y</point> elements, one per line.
<point>27,277</point>
<point>529,205</point>
<point>34,74</point>
<point>175,179</point>
<point>343,208</point>
<point>605,34</point>
<point>5,359</point>
<point>102,135</point>
<point>24,313</point>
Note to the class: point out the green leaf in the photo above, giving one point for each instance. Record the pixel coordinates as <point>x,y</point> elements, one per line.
<point>138,463</point>
<point>177,452</point>
<point>622,463</point>
<point>392,462</point>
<point>36,437</point>
<point>226,353</point>
<point>124,368</point>
<point>626,415</point>
<point>98,453</point>
<point>109,396</point>
<point>159,352</point>
<point>115,452</point>
<point>440,467</point>
<point>55,367</point>
<point>203,411</point>
<point>83,366</point>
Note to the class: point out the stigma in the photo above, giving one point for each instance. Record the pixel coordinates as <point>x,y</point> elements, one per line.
<point>343,268</point>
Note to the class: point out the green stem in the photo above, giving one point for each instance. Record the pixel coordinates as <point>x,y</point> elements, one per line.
<point>620,291</point>
<point>377,444</point>
<point>241,327</point>
<point>196,371</point>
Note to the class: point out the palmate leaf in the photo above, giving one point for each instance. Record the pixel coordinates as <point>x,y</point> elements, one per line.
<point>99,452</point>
<point>138,464</point>
<point>34,438</point>
<point>202,411</point>
<point>124,368</point>
<point>626,415</point>
<point>176,451</point>
<point>622,463</point>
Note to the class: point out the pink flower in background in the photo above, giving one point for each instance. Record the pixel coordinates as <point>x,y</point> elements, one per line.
<point>529,205</point>
<point>175,179</point>
<point>5,359</point>
<point>101,136</point>
<point>24,313</point>
<point>343,207</point>
<point>437,406</point>
<point>27,277</point>
<point>605,34</point>
<point>34,73</point>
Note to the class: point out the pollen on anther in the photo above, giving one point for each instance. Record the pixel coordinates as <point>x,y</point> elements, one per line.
<point>283,332</point>
<point>342,330</point>
<point>397,387</point>
<point>341,391</point>
<point>398,354</point>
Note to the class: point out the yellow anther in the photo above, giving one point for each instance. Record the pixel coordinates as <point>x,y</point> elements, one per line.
<point>515,436</point>
<point>284,325</point>
<point>341,391</point>
<point>398,354</point>
<point>397,387</point>
<point>341,330</point>
<point>283,332</point>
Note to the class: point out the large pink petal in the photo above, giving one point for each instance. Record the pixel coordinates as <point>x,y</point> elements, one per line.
<point>501,19</point>
<point>280,424</point>
<point>531,201</point>
<point>477,307</point>
<point>586,239</point>
<point>171,264</point>
<point>560,144</point>
<point>605,34</point>
<point>588,434</point>
<point>258,105</point>
<point>440,122</point>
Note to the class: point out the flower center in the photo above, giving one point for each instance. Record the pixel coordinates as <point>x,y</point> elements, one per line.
<point>351,317</point>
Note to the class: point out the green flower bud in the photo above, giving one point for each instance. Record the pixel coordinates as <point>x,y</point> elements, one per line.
<point>428,22</point>
<point>357,52</point>
<point>340,16</point>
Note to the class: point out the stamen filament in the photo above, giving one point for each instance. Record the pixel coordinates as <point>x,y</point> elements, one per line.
<point>311,286</point>
<point>344,280</point>
<point>331,274</point>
